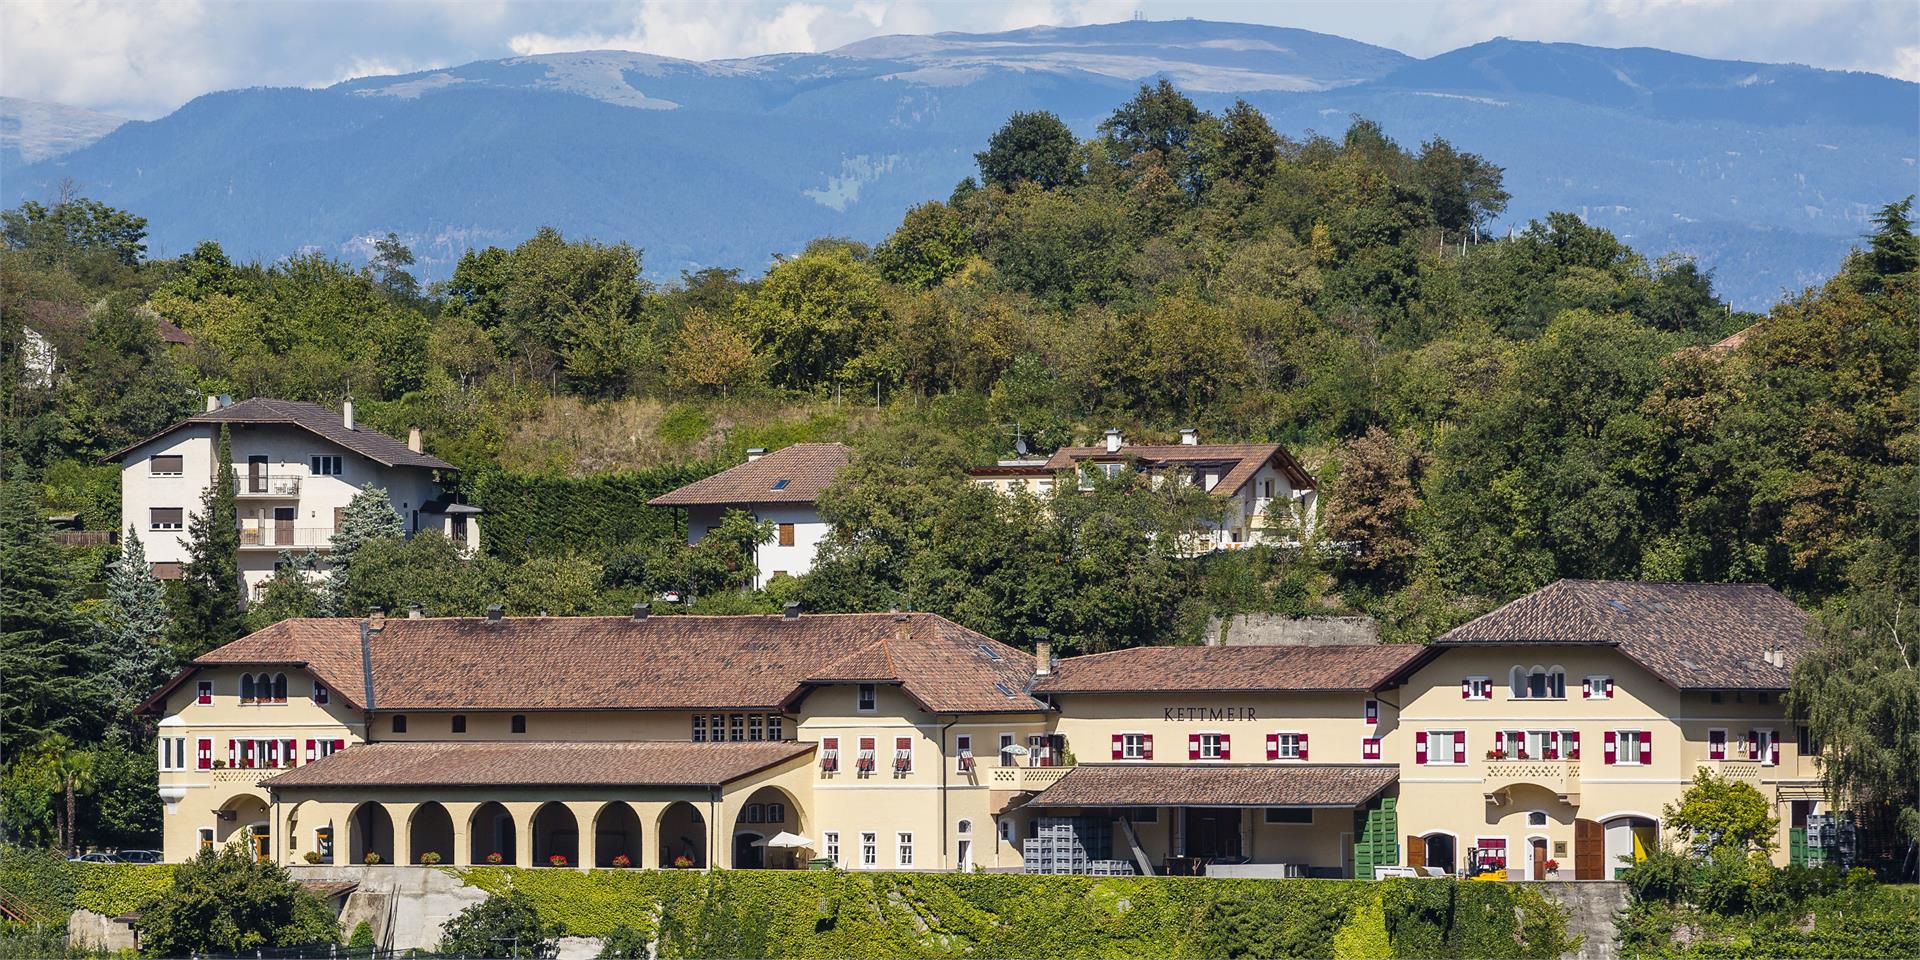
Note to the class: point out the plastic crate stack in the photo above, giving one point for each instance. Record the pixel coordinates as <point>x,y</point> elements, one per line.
<point>1073,845</point>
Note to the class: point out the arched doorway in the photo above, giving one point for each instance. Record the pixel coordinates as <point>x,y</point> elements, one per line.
<point>555,834</point>
<point>1630,838</point>
<point>491,831</point>
<point>768,811</point>
<point>372,829</point>
<point>431,831</point>
<point>616,833</point>
<point>682,835</point>
<point>244,819</point>
<point>1441,851</point>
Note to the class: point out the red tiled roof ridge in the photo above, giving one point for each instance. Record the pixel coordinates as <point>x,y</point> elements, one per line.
<point>809,469</point>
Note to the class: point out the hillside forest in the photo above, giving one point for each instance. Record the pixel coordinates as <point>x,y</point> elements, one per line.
<point>1483,415</point>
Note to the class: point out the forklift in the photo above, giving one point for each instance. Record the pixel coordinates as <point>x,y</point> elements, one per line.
<point>1488,864</point>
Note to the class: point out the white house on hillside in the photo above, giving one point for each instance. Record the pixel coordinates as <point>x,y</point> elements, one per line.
<point>296,466</point>
<point>781,487</point>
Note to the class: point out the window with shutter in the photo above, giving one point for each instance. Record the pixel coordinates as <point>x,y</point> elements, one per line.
<point>829,754</point>
<point>203,753</point>
<point>203,692</point>
<point>1193,746</point>
<point>1753,744</point>
<point>166,465</point>
<point>863,761</point>
<point>1773,748</point>
<point>1459,746</point>
<point>786,534</point>
<point>1371,712</point>
<point>902,755</point>
<point>1303,747</point>
<point>1370,748</point>
<point>963,751</point>
<point>1716,744</point>
<point>166,518</point>
<point>1119,746</point>
<point>1611,748</point>
<point>1420,747</point>
<point>1572,739</point>
<point>1646,746</point>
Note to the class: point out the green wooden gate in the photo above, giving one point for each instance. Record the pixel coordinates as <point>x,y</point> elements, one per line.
<point>1376,837</point>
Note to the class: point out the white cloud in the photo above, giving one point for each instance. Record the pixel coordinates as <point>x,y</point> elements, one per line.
<point>95,52</point>
<point>692,31</point>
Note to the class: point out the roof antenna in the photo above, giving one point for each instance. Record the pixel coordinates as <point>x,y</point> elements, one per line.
<point>1019,441</point>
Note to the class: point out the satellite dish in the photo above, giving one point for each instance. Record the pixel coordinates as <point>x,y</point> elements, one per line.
<point>1020,445</point>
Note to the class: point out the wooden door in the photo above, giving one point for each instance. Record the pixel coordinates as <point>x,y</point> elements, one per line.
<point>1537,850</point>
<point>1589,850</point>
<point>283,525</point>
<point>256,474</point>
<point>1416,851</point>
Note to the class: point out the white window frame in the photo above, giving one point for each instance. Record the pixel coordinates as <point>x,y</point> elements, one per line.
<point>321,695</point>
<point>1438,758</point>
<point>1282,740</point>
<point>203,690</point>
<point>1621,738</point>
<point>326,465</point>
<point>1133,746</point>
<point>1007,741</point>
<point>699,734</point>
<point>869,851</point>
<point>154,472</point>
<point>963,761</point>
<point>830,846</point>
<point>894,758</point>
<point>903,849</point>
<point>1210,745</point>
<point>1479,688</point>
<point>1597,687</point>
<point>180,524</point>
<point>1764,748</point>
<point>1726,743</point>
<point>867,699</point>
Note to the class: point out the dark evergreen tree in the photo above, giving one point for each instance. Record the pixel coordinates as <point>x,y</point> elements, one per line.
<point>212,608</point>
<point>46,669</point>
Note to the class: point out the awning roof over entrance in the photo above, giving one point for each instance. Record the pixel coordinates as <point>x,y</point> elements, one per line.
<point>1223,785</point>
<point>651,764</point>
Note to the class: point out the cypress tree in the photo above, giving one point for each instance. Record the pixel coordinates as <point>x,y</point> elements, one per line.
<point>47,687</point>
<point>212,599</point>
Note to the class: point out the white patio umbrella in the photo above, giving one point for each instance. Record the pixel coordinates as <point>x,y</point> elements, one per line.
<point>784,841</point>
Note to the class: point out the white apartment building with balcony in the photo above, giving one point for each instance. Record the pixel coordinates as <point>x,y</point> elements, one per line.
<point>296,465</point>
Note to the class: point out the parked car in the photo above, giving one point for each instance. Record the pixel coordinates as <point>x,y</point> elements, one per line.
<point>140,856</point>
<point>94,857</point>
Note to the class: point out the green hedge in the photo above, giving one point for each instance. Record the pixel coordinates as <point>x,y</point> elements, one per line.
<point>834,914</point>
<point>45,881</point>
<point>1868,923</point>
<point>537,514</point>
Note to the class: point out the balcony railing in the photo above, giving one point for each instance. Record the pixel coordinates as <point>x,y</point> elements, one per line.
<point>268,485</point>
<point>274,536</point>
<point>1562,777</point>
<point>1743,771</point>
<point>1032,779</point>
<point>242,776</point>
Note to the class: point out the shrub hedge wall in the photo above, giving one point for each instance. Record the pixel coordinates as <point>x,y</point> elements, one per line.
<point>537,514</point>
<point>1874,922</point>
<point>54,888</point>
<point>836,914</point>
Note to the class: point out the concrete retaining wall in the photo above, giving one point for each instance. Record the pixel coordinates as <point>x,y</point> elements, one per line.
<point>1274,630</point>
<point>405,906</point>
<point>87,930</point>
<point>1592,906</point>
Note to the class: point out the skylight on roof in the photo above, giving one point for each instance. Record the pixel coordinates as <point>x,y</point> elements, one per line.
<point>780,484</point>
<point>988,651</point>
<point>1617,605</point>
<point>1004,689</point>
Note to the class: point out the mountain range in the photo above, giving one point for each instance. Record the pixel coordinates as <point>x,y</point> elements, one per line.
<point>1766,173</point>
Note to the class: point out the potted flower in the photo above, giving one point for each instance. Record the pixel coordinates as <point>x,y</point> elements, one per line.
<point>1553,867</point>
<point>430,858</point>
<point>622,860</point>
<point>313,856</point>
<point>372,859</point>
<point>495,858</point>
<point>682,862</point>
<point>1496,754</point>
<point>558,860</point>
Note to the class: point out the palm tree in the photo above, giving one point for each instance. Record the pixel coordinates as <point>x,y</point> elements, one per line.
<point>71,770</point>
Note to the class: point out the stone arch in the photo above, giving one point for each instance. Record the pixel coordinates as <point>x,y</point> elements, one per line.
<point>491,830</point>
<point>616,832</point>
<point>681,831</point>
<point>371,829</point>
<point>430,831</point>
<point>1442,850</point>
<point>245,818</point>
<point>767,811</point>
<point>556,833</point>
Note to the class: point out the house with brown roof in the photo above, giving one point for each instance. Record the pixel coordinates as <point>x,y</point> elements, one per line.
<point>1268,497</point>
<point>296,467</point>
<point>1543,738</point>
<point>782,487</point>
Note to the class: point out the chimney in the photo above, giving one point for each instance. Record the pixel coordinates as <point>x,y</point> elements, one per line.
<point>1113,441</point>
<point>1042,658</point>
<point>213,403</point>
<point>755,453</point>
<point>791,611</point>
<point>640,611</point>
<point>415,612</point>
<point>346,414</point>
<point>376,620</point>
<point>1189,437</point>
<point>413,439</point>
<point>495,612</point>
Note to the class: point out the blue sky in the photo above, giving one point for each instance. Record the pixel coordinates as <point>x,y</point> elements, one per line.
<point>144,58</point>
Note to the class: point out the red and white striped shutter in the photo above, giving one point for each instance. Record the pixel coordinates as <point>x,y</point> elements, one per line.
<point>1303,746</point>
<point>339,745</point>
<point>1716,744</point>
<point>1371,712</point>
<point>1459,746</point>
<point>313,750</point>
<point>1646,747</point>
<point>1119,746</point>
<point>1573,745</point>
<point>233,753</point>
<point>1273,746</point>
<point>1420,747</point>
<point>1773,749</point>
<point>1193,746</point>
<point>1586,690</point>
<point>1753,744</point>
<point>1499,740</point>
<point>291,750</point>
<point>1466,689</point>
<point>1226,747</point>
<point>1609,688</point>
<point>204,694</point>
<point>1146,746</point>
<point>1612,748</point>
<point>205,753</point>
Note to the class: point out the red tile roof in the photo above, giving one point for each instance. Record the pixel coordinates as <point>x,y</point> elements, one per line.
<point>662,663</point>
<point>1694,636</point>
<point>328,648</point>
<point>795,474</point>
<point>1218,785</point>
<point>540,764</point>
<point>1263,669</point>
<point>1242,460</point>
<point>313,418</point>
